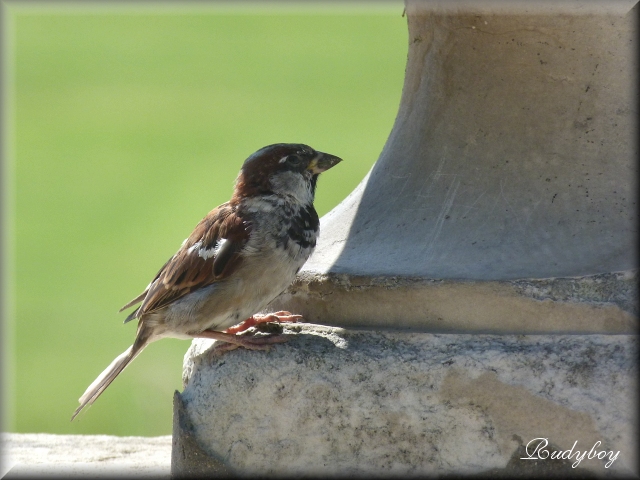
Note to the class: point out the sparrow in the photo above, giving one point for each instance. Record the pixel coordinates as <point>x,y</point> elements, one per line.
<point>240,257</point>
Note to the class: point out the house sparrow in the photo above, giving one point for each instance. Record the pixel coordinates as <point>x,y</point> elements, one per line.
<point>239,257</point>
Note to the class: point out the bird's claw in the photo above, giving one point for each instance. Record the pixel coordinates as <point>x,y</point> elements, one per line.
<point>249,342</point>
<point>279,317</point>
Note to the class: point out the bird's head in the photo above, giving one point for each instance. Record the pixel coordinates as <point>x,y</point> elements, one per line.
<point>283,169</point>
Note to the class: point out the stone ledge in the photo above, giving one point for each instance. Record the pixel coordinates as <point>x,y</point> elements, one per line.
<point>339,402</point>
<point>30,455</point>
<point>605,303</point>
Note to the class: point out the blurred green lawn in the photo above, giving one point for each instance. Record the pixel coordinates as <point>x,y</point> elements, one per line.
<point>128,128</point>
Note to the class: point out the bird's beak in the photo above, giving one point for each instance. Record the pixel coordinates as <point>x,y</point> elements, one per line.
<point>322,162</point>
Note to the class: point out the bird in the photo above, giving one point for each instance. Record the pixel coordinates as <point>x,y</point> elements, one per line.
<point>239,257</point>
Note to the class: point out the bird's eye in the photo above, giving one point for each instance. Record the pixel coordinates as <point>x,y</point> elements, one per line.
<point>294,160</point>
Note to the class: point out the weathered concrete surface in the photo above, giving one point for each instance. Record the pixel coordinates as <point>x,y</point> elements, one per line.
<point>513,154</point>
<point>333,401</point>
<point>36,455</point>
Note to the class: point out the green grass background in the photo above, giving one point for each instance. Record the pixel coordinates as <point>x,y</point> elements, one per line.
<point>127,127</point>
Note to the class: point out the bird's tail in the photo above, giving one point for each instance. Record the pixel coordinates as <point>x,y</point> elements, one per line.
<point>109,374</point>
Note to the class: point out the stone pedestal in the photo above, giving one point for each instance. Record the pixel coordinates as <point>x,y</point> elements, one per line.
<point>499,225</point>
<point>510,173</point>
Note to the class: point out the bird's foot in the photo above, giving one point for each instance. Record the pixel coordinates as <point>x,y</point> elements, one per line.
<point>233,341</point>
<point>280,317</point>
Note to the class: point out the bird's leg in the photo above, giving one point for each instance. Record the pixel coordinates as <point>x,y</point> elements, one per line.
<point>280,317</point>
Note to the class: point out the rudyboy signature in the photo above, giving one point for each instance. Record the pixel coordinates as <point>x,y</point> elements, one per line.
<point>537,449</point>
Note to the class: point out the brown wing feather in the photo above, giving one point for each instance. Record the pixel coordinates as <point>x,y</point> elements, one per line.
<point>187,270</point>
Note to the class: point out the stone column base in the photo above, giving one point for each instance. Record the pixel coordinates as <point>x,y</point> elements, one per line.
<point>344,402</point>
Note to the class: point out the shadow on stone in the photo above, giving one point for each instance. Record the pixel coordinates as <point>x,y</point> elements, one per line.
<point>188,460</point>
